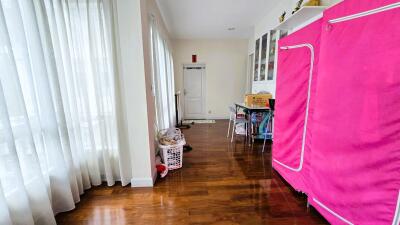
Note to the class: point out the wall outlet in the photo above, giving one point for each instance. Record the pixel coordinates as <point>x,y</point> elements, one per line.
<point>209,112</point>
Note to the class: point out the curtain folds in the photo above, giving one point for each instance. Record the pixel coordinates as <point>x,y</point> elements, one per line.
<point>163,78</point>
<point>58,128</point>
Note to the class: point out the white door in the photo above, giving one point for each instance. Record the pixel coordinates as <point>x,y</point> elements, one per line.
<point>194,91</point>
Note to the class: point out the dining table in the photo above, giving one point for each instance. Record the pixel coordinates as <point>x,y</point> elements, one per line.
<point>249,110</point>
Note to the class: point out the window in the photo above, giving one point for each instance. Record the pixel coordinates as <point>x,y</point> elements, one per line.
<point>163,79</point>
<point>58,132</point>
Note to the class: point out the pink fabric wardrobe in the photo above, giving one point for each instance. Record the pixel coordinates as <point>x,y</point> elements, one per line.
<point>351,158</point>
<point>296,79</point>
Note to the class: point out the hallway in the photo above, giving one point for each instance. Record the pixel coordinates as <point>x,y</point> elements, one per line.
<point>220,183</point>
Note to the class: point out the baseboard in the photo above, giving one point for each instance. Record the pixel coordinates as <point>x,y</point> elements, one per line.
<point>218,117</point>
<point>142,182</point>
<point>212,117</point>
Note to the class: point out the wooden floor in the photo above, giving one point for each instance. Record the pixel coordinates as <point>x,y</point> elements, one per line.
<point>220,183</point>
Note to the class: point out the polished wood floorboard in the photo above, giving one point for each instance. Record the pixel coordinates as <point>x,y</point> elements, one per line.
<point>220,183</point>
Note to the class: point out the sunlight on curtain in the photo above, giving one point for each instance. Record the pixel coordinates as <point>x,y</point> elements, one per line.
<point>163,79</point>
<point>58,133</point>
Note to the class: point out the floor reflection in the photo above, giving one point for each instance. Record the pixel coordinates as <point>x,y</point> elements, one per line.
<point>104,215</point>
<point>220,183</point>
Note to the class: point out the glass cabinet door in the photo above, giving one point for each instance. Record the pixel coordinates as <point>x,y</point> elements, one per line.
<point>271,56</point>
<point>264,44</point>
<point>256,60</point>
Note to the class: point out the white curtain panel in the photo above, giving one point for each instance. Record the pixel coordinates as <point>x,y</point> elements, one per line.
<point>170,87</point>
<point>163,79</point>
<point>58,132</point>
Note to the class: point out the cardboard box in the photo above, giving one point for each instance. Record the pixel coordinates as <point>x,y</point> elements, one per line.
<point>260,100</point>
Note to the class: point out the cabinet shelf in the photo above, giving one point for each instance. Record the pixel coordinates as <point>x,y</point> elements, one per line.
<point>304,14</point>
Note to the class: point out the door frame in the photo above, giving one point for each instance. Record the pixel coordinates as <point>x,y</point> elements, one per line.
<point>204,88</point>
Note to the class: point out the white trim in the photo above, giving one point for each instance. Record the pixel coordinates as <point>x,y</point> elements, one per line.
<point>218,117</point>
<point>307,45</point>
<point>202,65</point>
<point>259,60</point>
<point>366,13</point>
<point>396,219</point>
<point>142,182</point>
<point>332,212</point>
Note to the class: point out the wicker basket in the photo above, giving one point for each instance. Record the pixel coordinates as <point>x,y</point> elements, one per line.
<point>172,155</point>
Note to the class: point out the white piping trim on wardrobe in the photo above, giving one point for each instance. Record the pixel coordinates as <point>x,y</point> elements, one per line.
<point>366,13</point>
<point>396,219</point>
<point>307,45</point>
<point>332,212</point>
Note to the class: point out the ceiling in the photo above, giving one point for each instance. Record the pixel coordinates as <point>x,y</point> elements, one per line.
<point>208,19</point>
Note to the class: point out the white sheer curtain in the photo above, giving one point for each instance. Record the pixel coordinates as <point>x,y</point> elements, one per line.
<point>163,79</point>
<point>58,133</point>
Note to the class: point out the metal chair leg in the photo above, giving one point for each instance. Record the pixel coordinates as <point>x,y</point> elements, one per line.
<point>229,126</point>
<point>233,129</point>
<point>267,130</point>
<point>251,138</point>
<point>246,126</point>
<point>265,139</point>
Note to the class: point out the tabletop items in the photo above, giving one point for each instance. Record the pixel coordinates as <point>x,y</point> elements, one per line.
<point>258,117</point>
<point>260,100</point>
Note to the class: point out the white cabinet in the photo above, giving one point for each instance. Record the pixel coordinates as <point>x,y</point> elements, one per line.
<point>265,61</point>
<point>265,55</point>
<point>260,60</point>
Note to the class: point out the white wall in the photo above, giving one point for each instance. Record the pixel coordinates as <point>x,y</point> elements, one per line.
<point>269,22</point>
<point>136,105</point>
<point>133,88</point>
<point>225,61</point>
